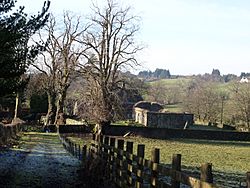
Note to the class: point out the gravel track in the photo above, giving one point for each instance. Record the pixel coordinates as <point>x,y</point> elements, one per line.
<point>39,161</point>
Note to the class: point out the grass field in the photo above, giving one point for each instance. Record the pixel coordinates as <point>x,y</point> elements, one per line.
<point>230,156</point>
<point>230,159</point>
<point>171,82</point>
<point>224,155</point>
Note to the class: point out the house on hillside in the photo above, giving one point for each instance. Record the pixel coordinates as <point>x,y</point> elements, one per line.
<point>152,115</point>
<point>244,80</point>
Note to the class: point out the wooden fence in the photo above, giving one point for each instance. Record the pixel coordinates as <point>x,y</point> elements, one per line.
<point>126,169</point>
<point>75,149</point>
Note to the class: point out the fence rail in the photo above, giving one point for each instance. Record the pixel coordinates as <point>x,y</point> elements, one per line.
<point>127,169</point>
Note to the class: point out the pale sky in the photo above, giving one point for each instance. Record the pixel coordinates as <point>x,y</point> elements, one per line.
<point>184,36</point>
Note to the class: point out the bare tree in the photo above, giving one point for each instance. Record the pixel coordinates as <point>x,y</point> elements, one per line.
<point>241,100</point>
<point>59,60</point>
<point>203,100</point>
<point>157,92</point>
<point>111,46</point>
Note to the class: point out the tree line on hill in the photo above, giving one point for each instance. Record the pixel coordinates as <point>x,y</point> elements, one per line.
<point>157,74</point>
<point>214,76</point>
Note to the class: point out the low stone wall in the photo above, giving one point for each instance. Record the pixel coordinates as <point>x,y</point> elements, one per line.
<point>8,131</point>
<point>164,133</point>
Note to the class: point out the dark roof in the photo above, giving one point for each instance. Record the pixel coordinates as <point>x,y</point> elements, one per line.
<point>151,106</point>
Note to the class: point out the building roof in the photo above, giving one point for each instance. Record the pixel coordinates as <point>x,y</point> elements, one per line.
<point>150,106</point>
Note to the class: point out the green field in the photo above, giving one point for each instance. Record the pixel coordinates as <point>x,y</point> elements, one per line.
<point>171,82</point>
<point>230,156</point>
<point>230,159</point>
<point>227,156</point>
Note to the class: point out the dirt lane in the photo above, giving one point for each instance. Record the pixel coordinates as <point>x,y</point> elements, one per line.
<point>40,161</point>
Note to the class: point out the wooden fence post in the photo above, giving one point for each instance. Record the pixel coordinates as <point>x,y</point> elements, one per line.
<point>248,179</point>
<point>70,146</point>
<point>112,158</point>
<point>106,150</point>
<point>155,158</point>
<point>75,154</point>
<point>139,174</point>
<point>176,166</point>
<point>129,158</point>
<point>206,172</point>
<point>120,162</point>
<point>84,153</point>
<point>101,139</point>
<point>100,142</point>
<point>73,148</point>
<point>106,156</point>
<point>66,144</point>
<point>79,152</point>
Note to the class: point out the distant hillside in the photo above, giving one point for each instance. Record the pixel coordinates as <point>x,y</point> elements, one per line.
<point>171,92</point>
<point>215,75</point>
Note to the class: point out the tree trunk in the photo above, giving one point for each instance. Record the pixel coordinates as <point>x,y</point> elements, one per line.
<point>107,107</point>
<point>106,111</point>
<point>59,119</point>
<point>17,107</point>
<point>50,117</point>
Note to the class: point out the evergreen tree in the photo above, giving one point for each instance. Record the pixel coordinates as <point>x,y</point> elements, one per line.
<point>16,29</point>
<point>216,73</point>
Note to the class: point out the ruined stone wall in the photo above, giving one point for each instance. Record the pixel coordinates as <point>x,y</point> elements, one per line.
<point>169,120</point>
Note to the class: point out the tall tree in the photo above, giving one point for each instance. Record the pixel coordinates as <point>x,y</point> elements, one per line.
<point>111,46</point>
<point>16,29</point>
<point>59,60</point>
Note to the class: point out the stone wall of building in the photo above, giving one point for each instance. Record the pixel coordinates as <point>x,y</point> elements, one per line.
<point>169,120</point>
<point>140,116</point>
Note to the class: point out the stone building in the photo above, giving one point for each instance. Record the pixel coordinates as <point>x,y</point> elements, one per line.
<point>169,120</point>
<point>151,115</point>
<point>142,108</point>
